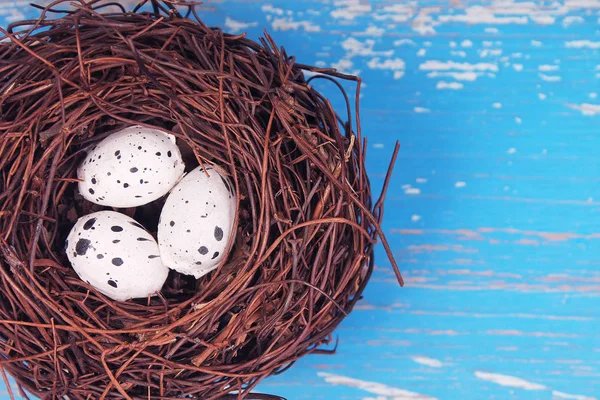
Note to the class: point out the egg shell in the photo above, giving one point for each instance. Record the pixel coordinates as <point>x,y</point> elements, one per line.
<point>197,222</point>
<point>130,168</point>
<point>116,255</point>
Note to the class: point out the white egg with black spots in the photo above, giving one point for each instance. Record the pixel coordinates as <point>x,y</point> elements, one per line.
<point>116,255</point>
<point>197,222</point>
<point>130,168</point>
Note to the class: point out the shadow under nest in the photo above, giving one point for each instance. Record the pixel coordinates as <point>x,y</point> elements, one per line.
<point>306,221</point>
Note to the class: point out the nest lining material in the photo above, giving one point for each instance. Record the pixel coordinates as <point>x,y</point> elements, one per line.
<point>306,221</point>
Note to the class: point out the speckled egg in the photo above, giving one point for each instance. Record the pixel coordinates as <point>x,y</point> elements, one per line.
<point>197,222</point>
<point>130,168</point>
<point>116,255</point>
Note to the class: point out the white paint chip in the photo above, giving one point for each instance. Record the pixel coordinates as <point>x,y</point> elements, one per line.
<point>582,44</point>
<point>310,74</point>
<point>509,381</point>
<point>355,47</point>
<point>391,14</point>
<point>234,26</point>
<point>460,184</point>
<point>421,110</point>
<point>586,108</point>
<point>373,387</point>
<point>561,395</point>
<point>412,191</point>
<point>371,31</point>
<point>423,22</point>
<point>392,64</point>
<point>459,76</point>
<point>349,9</point>
<point>287,24</point>
<point>434,65</point>
<point>518,120</point>
<point>572,19</point>
<point>15,15</point>
<point>268,8</point>
<point>430,362</point>
<point>549,78</point>
<point>542,96</point>
<point>403,42</point>
<point>483,15</point>
<point>343,65</point>
<point>543,19</point>
<point>415,218</point>
<point>497,105</point>
<point>548,68</point>
<point>449,85</point>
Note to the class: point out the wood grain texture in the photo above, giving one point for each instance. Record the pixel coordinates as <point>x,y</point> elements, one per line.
<point>494,207</point>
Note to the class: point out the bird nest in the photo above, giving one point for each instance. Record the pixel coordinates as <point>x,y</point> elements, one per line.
<point>306,221</point>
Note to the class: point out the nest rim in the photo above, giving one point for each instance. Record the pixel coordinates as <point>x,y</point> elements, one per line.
<point>321,216</point>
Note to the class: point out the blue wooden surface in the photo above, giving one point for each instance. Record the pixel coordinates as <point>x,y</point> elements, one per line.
<point>494,207</point>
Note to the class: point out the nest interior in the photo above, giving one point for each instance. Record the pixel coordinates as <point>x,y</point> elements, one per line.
<point>306,220</point>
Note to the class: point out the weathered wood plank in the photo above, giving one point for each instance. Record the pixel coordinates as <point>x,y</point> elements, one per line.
<point>494,209</point>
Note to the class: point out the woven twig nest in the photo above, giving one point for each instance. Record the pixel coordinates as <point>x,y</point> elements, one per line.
<point>306,222</point>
